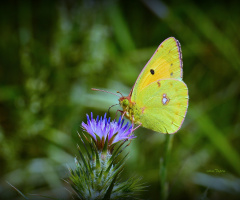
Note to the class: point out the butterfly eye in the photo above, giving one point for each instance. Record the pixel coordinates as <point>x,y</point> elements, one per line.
<point>125,102</point>
<point>152,71</point>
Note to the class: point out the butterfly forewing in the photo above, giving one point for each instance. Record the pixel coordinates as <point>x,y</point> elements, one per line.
<point>165,63</point>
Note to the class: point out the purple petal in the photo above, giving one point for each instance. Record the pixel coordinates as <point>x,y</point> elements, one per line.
<point>88,120</point>
<point>119,120</point>
<point>111,131</point>
<point>122,122</point>
<point>91,116</point>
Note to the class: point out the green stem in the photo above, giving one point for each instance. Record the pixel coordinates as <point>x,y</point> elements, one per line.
<point>163,167</point>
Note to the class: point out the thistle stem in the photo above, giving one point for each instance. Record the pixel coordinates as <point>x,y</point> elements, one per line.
<point>163,167</point>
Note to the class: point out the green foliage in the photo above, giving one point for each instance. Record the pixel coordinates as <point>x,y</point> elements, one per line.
<point>52,53</point>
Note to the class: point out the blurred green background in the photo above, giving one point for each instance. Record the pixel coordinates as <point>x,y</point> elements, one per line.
<point>53,52</point>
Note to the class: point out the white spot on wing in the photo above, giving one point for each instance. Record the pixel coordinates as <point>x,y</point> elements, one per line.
<point>164,100</point>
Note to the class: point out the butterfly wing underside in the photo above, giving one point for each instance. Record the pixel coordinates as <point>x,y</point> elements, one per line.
<point>165,63</point>
<point>163,105</point>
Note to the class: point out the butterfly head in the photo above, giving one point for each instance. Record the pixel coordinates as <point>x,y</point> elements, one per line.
<point>124,102</point>
<point>132,112</point>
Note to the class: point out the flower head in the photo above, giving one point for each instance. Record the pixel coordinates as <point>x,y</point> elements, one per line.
<point>97,173</point>
<point>104,129</point>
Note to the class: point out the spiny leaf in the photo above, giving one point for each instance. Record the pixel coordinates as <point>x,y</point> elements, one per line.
<point>84,146</point>
<point>115,155</point>
<point>100,176</point>
<point>113,158</point>
<point>87,173</point>
<point>109,191</point>
<point>116,151</point>
<point>118,165</point>
<point>98,164</point>
<point>105,147</point>
<point>78,192</point>
<point>17,190</point>
<point>93,152</point>
<point>130,185</point>
<point>84,160</point>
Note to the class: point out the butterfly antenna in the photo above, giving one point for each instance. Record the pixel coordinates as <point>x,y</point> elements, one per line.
<point>104,91</point>
<point>120,93</point>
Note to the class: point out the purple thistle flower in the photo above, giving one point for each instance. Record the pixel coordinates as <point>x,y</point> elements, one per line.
<point>103,128</point>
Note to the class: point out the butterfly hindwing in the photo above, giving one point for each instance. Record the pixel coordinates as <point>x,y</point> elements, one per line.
<point>163,105</point>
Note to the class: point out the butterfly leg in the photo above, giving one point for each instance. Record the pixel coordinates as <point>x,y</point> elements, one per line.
<point>117,112</point>
<point>123,113</point>
<point>137,127</point>
<point>133,129</point>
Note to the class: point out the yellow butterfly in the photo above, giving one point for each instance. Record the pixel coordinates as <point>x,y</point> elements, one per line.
<point>159,97</point>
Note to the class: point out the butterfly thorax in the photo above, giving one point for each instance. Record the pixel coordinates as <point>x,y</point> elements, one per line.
<point>130,109</point>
